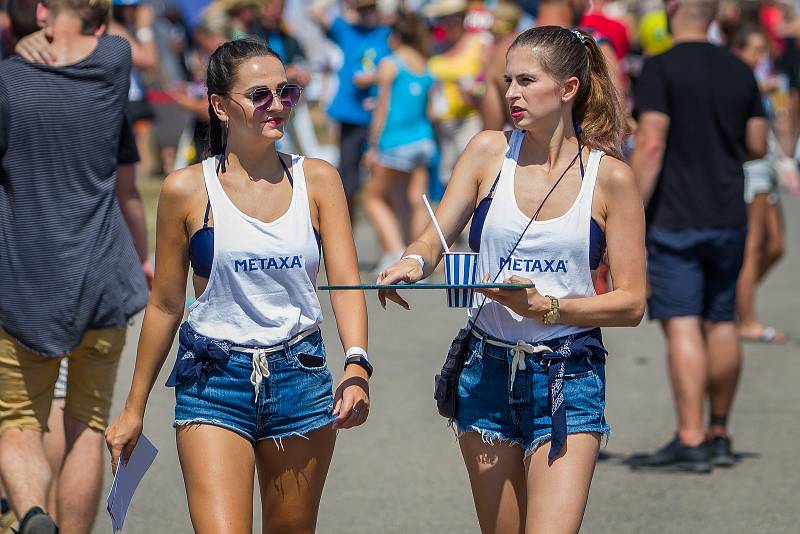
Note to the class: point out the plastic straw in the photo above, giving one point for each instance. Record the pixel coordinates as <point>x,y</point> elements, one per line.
<point>436,224</point>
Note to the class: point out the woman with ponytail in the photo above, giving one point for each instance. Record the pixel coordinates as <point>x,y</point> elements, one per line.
<point>252,386</point>
<point>533,368</point>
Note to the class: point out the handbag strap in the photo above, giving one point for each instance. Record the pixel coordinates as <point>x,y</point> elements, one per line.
<point>533,218</point>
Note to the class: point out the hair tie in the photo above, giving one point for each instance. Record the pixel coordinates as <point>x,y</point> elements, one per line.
<point>580,36</point>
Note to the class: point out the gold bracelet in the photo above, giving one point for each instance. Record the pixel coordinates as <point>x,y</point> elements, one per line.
<point>552,316</point>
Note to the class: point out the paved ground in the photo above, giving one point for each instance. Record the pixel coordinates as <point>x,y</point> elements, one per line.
<point>402,472</point>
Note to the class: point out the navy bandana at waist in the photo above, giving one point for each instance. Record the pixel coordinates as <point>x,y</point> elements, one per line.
<point>197,357</point>
<point>554,353</point>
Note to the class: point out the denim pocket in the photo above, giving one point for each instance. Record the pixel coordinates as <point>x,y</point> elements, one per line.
<point>310,355</point>
<point>579,376</point>
<point>473,356</point>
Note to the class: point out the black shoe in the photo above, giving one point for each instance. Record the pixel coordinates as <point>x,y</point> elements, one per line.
<point>36,521</point>
<point>674,456</point>
<point>721,452</point>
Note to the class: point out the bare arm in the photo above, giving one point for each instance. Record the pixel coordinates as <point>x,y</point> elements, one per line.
<point>651,141</point>
<point>166,306</point>
<point>318,11</point>
<point>197,106</point>
<point>481,158</point>
<point>387,71</point>
<point>132,207</point>
<point>493,104</point>
<point>144,54</point>
<point>164,310</point>
<point>341,266</point>
<point>624,229</point>
<point>756,138</point>
<point>341,260</point>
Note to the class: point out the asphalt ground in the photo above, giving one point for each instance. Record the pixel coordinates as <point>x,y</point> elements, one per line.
<point>402,472</point>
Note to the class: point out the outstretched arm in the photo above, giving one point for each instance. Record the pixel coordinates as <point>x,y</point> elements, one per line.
<point>480,159</point>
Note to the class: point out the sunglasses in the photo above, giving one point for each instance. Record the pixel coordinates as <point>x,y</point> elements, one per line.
<point>263,97</point>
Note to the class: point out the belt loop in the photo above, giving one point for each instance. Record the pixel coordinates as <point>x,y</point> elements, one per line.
<point>287,351</point>
<point>481,344</point>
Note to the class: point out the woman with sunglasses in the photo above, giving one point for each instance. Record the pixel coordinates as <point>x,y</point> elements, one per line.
<point>531,392</point>
<point>253,391</point>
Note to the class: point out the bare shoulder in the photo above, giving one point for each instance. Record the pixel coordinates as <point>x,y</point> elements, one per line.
<point>615,176</point>
<point>486,150</point>
<point>322,177</point>
<point>488,143</point>
<point>183,185</point>
<point>387,69</point>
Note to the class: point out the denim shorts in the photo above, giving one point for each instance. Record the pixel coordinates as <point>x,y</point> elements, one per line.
<point>406,158</point>
<point>693,272</point>
<point>519,412</point>
<point>293,399</point>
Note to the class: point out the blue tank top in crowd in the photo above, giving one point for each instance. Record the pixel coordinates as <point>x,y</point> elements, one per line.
<point>407,119</point>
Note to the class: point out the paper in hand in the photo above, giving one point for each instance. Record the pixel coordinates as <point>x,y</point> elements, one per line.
<point>127,479</point>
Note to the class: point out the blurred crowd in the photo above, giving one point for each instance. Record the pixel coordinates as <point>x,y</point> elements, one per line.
<point>393,89</point>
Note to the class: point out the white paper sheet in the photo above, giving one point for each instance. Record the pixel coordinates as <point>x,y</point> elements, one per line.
<point>127,479</point>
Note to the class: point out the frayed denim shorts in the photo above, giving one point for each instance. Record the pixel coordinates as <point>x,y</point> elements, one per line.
<point>283,393</point>
<point>405,158</point>
<point>513,406</point>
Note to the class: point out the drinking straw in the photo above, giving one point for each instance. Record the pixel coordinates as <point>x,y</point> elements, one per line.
<point>435,224</point>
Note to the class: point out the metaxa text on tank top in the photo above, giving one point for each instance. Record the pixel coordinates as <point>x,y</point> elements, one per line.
<point>264,264</point>
<point>530,265</point>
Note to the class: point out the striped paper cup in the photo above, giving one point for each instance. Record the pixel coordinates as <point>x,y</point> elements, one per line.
<point>460,268</point>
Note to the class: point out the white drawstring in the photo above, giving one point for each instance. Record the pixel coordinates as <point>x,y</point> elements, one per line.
<point>518,361</point>
<point>260,369</point>
<point>519,350</point>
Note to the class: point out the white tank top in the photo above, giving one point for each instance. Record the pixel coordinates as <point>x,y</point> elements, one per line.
<point>553,253</point>
<point>262,287</point>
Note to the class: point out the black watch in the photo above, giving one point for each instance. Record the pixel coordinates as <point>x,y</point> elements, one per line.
<point>361,361</point>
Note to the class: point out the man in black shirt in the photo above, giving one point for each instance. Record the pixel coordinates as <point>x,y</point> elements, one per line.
<point>700,118</point>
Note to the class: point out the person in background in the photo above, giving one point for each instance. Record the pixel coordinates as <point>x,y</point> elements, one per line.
<point>700,118</point>
<point>133,20</point>
<point>364,42</point>
<point>612,29</point>
<point>401,139</point>
<point>243,15</point>
<point>765,232</point>
<point>273,30</point>
<point>457,68</point>
<point>78,218</point>
<point>214,28</point>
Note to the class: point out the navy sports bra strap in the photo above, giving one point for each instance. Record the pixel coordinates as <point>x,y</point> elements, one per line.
<point>286,169</point>
<point>205,217</point>
<point>494,185</point>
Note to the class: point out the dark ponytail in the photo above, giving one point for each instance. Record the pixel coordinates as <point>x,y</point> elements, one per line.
<point>220,77</point>
<point>598,111</point>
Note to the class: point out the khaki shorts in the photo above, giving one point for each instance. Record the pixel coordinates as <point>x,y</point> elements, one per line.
<point>27,381</point>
